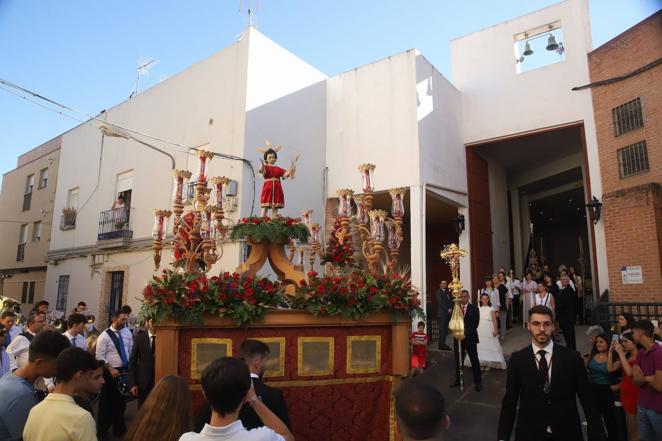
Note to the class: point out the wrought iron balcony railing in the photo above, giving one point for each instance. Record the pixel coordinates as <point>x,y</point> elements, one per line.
<point>115,224</point>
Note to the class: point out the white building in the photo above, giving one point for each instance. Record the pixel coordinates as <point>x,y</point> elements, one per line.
<point>485,146</point>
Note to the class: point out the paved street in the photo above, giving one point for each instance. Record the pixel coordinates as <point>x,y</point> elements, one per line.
<point>474,415</point>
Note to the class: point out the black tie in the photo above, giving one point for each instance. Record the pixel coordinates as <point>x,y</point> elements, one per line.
<point>542,366</point>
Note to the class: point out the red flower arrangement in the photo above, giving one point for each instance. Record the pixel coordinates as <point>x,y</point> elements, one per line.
<point>189,296</point>
<point>356,295</point>
<point>339,254</point>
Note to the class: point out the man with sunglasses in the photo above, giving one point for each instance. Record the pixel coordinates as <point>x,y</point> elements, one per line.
<point>546,379</point>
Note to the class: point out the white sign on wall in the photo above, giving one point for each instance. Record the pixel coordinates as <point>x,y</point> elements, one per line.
<point>632,275</point>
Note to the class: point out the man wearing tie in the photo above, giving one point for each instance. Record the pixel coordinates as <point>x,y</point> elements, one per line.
<point>113,347</point>
<point>444,308</point>
<point>566,311</point>
<point>470,342</point>
<point>141,363</point>
<point>545,379</point>
<point>75,329</point>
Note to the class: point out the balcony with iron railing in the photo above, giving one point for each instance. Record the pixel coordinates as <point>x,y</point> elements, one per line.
<point>20,252</point>
<point>115,227</point>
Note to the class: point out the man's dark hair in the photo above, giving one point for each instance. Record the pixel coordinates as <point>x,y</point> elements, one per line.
<point>75,319</point>
<point>116,314</point>
<point>73,360</point>
<point>464,290</point>
<point>82,304</point>
<point>125,309</point>
<point>47,345</point>
<point>420,409</point>
<point>7,313</point>
<point>41,303</point>
<point>541,309</point>
<point>421,323</point>
<point>226,382</point>
<point>645,326</point>
<point>251,348</point>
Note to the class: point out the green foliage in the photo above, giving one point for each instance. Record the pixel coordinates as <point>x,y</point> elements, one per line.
<point>277,230</point>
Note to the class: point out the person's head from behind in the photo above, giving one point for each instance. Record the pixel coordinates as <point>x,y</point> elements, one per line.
<point>420,326</point>
<point>541,324</point>
<point>76,324</point>
<point>118,319</point>
<point>464,297</point>
<point>255,353</point>
<point>77,367</point>
<point>42,306</point>
<point>7,319</point>
<point>625,321</point>
<point>420,411</point>
<point>225,382</point>
<point>36,323</point>
<point>43,352</point>
<point>643,331</point>
<point>485,300</point>
<point>166,413</point>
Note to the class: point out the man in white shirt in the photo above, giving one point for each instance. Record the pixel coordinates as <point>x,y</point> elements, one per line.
<point>58,417</point>
<point>75,330</point>
<point>18,348</point>
<point>114,348</point>
<point>227,385</point>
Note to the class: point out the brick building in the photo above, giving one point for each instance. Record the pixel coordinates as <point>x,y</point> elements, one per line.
<point>626,84</point>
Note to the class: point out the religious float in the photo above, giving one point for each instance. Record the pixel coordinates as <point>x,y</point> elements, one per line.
<point>339,340</point>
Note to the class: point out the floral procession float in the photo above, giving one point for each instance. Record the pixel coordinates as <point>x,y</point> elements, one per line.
<point>338,340</point>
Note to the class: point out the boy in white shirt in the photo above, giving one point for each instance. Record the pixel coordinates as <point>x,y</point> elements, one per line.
<point>227,385</point>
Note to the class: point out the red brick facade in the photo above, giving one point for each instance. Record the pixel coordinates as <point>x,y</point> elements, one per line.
<point>632,210</point>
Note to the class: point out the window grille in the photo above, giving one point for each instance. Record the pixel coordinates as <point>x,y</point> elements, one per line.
<point>627,117</point>
<point>633,159</point>
<point>62,292</point>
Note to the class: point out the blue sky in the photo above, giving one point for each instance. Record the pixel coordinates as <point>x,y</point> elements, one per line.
<point>84,52</point>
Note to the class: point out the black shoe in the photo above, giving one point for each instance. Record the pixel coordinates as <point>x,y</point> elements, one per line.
<point>478,387</point>
<point>457,384</point>
<point>445,348</point>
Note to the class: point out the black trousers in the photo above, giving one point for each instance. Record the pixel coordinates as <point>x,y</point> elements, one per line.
<point>568,329</point>
<point>111,407</point>
<point>470,349</point>
<point>443,328</point>
<point>603,397</point>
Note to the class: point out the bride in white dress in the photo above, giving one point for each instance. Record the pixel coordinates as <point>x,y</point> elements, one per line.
<point>490,354</point>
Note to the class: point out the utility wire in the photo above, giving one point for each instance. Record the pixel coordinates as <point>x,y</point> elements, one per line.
<point>184,149</point>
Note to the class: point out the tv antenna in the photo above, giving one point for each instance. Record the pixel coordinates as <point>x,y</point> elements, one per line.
<point>144,65</point>
<point>251,8</point>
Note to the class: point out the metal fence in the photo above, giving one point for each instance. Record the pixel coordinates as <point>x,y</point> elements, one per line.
<point>115,224</point>
<point>20,252</point>
<point>607,312</point>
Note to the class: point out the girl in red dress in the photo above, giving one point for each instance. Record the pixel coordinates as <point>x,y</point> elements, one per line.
<point>272,191</point>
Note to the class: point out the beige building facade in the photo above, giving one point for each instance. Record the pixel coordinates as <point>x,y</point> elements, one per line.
<point>26,204</point>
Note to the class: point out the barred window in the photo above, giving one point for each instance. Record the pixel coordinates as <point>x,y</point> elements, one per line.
<point>627,117</point>
<point>633,159</point>
<point>62,292</point>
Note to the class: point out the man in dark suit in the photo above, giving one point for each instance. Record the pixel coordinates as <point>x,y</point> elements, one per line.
<point>566,311</point>
<point>470,342</point>
<point>546,379</point>
<point>255,353</point>
<point>141,363</point>
<point>444,308</point>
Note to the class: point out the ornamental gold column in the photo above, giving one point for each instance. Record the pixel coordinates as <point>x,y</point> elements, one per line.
<point>180,177</point>
<point>451,254</point>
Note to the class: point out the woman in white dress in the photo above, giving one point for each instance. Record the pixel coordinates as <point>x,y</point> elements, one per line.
<point>528,289</point>
<point>544,297</point>
<point>490,354</point>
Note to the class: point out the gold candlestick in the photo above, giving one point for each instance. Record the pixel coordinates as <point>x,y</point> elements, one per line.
<point>451,254</point>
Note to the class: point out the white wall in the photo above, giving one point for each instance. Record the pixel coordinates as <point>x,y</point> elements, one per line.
<point>442,154</point>
<point>371,117</point>
<point>497,102</point>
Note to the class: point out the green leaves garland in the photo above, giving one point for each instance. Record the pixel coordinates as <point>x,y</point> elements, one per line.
<point>277,230</point>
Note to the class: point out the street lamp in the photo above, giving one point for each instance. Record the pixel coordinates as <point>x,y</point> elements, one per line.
<point>594,209</point>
